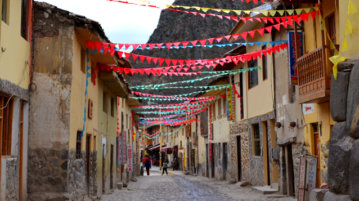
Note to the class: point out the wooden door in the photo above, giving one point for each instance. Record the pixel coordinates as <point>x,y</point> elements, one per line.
<point>317,154</point>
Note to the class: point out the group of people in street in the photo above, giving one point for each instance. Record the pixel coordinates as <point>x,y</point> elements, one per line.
<point>147,164</point>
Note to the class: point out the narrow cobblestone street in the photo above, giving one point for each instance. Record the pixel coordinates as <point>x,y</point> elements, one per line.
<point>179,187</point>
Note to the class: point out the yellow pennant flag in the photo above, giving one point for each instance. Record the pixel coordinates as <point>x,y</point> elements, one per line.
<point>247,12</point>
<point>352,8</point>
<point>226,10</point>
<point>337,59</point>
<point>281,12</point>
<point>290,12</point>
<point>307,10</point>
<point>348,28</point>
<point>205,9</point>
<point>238,12</point>
<point>299,11</point>
<point>272,12</point>
<point>265,13</point>
<point>345,45</point>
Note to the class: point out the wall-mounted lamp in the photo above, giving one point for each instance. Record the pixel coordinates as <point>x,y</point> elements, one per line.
<point>278,124</point>
<point>292,124</point>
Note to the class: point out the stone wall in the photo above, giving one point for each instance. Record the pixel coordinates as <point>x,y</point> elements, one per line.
<point>47,174</point>
<point>239,129</point>
<point>77,176</point>
<point>343,162</point>
<point>92,185</point>
<point>257,162</point>
<point>9,181</point>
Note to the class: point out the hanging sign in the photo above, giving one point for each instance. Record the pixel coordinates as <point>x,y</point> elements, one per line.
<point>293,54</point>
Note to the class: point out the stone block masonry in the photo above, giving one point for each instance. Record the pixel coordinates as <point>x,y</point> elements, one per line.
<point>9,181</point>
<point>343,162</point>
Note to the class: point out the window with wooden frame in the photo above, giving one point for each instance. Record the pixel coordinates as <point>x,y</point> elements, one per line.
<point>219,108</point>
<point>104,102</point>
<point>90,109</point>
<point>112,107</point>
<point>252,74</point>
<point>264,64</point>
<point>256,140</point>
<point>5,8</point>
<point>6,112</point>
<point>24,18</point>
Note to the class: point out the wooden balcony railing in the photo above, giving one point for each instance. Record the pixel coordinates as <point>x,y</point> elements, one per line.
<point>312,77</point>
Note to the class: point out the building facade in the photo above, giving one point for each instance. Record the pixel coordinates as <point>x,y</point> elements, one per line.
<point>15,48</point>
<point>72,144</point>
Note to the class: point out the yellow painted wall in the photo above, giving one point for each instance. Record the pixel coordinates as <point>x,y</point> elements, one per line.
<point>325,122</point>
<point>353,39</point>
<point>260,98</point>
<point>14,61</point>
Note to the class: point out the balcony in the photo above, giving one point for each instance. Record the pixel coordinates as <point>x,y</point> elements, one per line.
<point>314,85</point>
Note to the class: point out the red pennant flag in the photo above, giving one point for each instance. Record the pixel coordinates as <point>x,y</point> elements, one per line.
<point>244,19</point>
<point>126,46</point>
<point>270,19</point>
<point>203,15</point>
<point>265,20</point>
<point>297,19</point>
<point>174,61</point>
<point>106,48</point>
<point>211,40</point>
<point>148,71</point>
<point>143,46</point>
<point>194,42</point>
<point>261,31</point>
<point>154,59</point>
<point>134,57</point>
<point>269,29</point>
<point>141,71</point>
<point>135,46</point>
<point>176,44</point>
<point>218,39</point>
<point>203,42</point>
<point>142,58</point>
<point>127,71</point>
<point>228,37</point>
<point>98,46</point>
<point>244,35</point>
<point>159,45</point>
<point>90,45</point>
<point>112,50</point>
<point>220,16</point>
<point>277,26</point>
<point>252,33</point>
<point>305,17</point>
<point>169,45</point>
<point>313,14</point>
<point>160,61</point>
<point>149,59</point>
<point>228,17</point>
<point>277,19</point>
<point>151,46</point>
<point>235,36</point>
<point>235,18</point>
<point>168,61</point>
<point>258,19</point>
<point>185,44</point>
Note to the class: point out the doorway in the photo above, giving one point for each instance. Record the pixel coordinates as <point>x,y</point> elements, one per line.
<point>266,154</point>
<point>289,170</point>
<point>273,139</point>
<point>103,166</point>
<point>88,141</point>
<point>225,160</point>
<point>212,147</point>
<point>316,141</point>
<point>207,161</point>
<point>111,167</point>
<point>239,158</point>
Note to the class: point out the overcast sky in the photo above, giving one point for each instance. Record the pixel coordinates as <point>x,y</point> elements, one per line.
<point>122,23</point>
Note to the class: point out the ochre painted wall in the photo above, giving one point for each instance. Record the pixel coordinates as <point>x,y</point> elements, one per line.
<point>15,60</point>
<point>353,39</point>
<point>260,98</point>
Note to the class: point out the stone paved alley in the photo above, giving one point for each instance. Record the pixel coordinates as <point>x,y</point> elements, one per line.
<point>179,187</point>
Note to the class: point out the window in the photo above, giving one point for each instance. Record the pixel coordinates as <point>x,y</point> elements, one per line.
<point>6,110</point>
<point>127,120</point>
<point>219,107</point>
<point>104,102</point>
<point>256,140</point>
<point>252,74</point>
<point>214,111</point>
<point>5,11</point>
<point>24,19</point>
<point>121,122</point>
<point>264,64</point>
<point>112,106</point>
<point>90,109</point>
<point>78,145</point>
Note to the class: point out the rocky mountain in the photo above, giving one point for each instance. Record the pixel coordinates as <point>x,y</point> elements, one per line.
<point>176,26</point>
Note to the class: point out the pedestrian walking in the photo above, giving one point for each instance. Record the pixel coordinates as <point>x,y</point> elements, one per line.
<point>148,165</point>
<point>164,167</point>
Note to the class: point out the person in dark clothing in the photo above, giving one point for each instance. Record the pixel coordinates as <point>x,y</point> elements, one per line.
<point>164,167</point>
<point>147,164</point>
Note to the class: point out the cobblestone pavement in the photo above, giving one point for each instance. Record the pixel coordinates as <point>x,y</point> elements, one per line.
<point>177,187</point>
